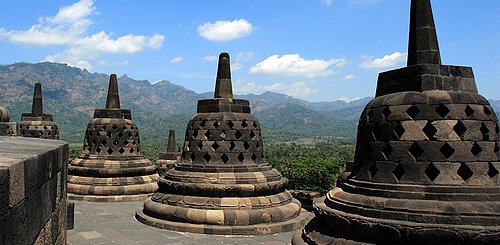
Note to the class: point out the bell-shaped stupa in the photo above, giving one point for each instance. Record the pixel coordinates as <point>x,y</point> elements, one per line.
<point>426,168</point>
<point>223,184</point>
<point>7,128</point>
<point>111,166</point>
<point>37,124</point>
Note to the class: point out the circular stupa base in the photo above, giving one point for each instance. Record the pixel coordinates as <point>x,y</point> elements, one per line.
<point>257,229</point>
<point>115,198</point>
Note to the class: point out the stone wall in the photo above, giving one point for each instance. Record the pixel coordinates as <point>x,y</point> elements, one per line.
<point>32,191</point>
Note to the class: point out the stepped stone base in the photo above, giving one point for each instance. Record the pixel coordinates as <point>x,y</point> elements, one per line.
<point>116,198</point>
<point>257,229</point>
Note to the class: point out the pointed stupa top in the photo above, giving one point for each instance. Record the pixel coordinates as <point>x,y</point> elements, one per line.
<point>113,100</point>
<point>171,141</point>
<point>223,86</point>
<point>223,96</point>
<point>423,45</point>
<point>37,107</point>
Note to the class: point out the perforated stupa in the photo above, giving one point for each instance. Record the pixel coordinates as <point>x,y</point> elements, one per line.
<point>426,167</point>
<point>38,124</point>
<point>111,166</point>
<point>223,184</point>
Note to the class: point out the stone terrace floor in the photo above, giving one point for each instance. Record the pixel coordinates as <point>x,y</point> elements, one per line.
<point>115,223</point>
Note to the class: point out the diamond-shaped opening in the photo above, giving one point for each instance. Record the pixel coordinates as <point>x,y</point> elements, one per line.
<point>485,132</point>
<point>104,142</point>
<point>415,150</point>
<point>252,134</point>
<point>115,142</point>
<point>138,149</point>
<point>230,124</point>
<point>208,135</point>
<point>246,145</point>
<point>464,172</point>
<point>413,111</point>
<point>377,132</point>
<point>98,150</point>
<point>222,135</point>
<point>103,127</point>
<point>202,124</point>
<point>476,149</point>
<point>257,145</point>
<point>255,124</point>
<point>124,128</point>
<point>114,127</point>
<point>373,170</point>
<point>399,130</point>
<point>386,112</point>
<point>216,124</point>
<point>45,127</point>
<point>120,134</point>
<point>207,157</point>
<point>244,124</point>
<point>215,146</point>
<point>447,150</point>
<point>132,127</point>
<point>442,110</point>
<point>238,134</point>
<point>469,111</point>
<point>110,151</point>
<point>224,158</point>
<point>241,157</point>
<point>254,157</point>
<point>486,110</point>
<point>429,130</point>
<point>398,172</point>
<point>192,156</point>
<point>32,132</point>
<point>232,145</point>
<point>27,126</point>
<point>109,134</point>
<point>95,127</point>
<point>492,171</point>
<point>432,172</point>
<point>387,151</point>
<point>121,150</point>
<point>200,145</point>
<point>460,129</point>
<point>129,134</point>
<point>134,142</point>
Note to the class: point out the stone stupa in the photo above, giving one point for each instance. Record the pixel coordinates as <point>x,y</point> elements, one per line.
<point>169,159</point>
<point>426,168</point>
<point>111,166</point>
<point>37,124</point>
<point>223,184</point>
<point>7,128</point>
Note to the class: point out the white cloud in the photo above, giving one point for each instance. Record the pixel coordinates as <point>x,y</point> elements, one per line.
<point>302,89</point>
<point>225,30</point>
<point>69,28</point>
<point>385,62</point>
<point>244,56</point>
<point>327,2</point>
<point>210,58</point>
<point>348,77</point>
<point>236,66</point>
<point>176,60</point>
<point>348,99</point>
<point>294,65</point>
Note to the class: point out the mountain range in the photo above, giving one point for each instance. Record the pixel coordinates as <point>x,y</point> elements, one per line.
<point>71,95</point>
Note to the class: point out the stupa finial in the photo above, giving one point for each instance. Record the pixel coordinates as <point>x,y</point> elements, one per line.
<point>113,100</point>
<point>423,45</point>
<point>37,107</point>
<point>223,86</point>
<point>171,141</point>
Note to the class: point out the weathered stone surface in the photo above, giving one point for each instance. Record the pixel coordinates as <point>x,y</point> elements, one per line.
<point>222,183</point>
<point>111,167</point>
<point>439,182</point>
<point>32,193</point>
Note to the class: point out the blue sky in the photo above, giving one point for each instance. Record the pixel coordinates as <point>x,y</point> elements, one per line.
<point>317,50</point>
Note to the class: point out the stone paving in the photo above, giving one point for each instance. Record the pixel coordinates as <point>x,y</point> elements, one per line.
<point>114,223</point>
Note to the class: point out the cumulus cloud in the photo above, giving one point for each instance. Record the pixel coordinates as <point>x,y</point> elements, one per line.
<point>348,77</point>
<point>210,58</point>
<point>69,28</point>
<point>294,65</point>
<point>225,30</point>
<point>176,60</point>
<point>302,89</point>
<point>385,62</point>
<point>348,99</point>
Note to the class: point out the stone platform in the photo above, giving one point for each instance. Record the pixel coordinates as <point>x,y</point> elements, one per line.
<point>114,223</point>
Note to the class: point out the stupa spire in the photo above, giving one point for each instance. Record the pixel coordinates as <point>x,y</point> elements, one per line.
<point>171,141</point>
<point>423,45</point>
<point>113,100</point>
<point>223,86</point>
<point>37,107</point>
